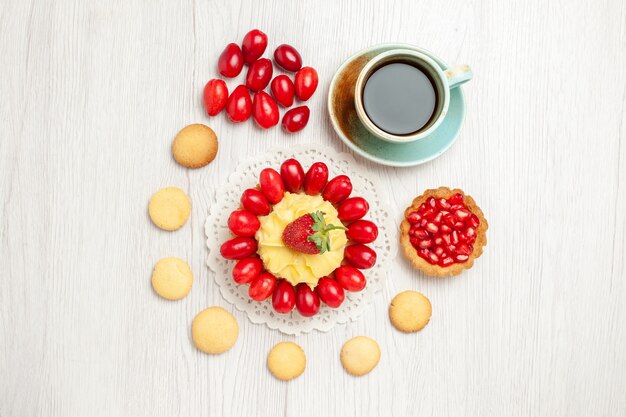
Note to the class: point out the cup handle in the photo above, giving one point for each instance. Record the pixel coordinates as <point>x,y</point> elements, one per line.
<point>458,75</point>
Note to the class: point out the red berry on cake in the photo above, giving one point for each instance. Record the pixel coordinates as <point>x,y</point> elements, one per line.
<point>309,234</point>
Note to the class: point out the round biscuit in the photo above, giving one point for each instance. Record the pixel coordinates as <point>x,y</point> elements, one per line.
<point>214,330</point>
<point>172,278</point>
<point>360,355</point>
<point>195,146</point>
<point>169,208</point>
<point>410,311</point>
<point>286,361</point>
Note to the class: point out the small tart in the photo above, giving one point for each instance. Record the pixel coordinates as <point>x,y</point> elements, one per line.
<point>478,241</point>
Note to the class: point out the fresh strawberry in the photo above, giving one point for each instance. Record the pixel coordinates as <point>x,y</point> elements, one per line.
<point>309,234</point>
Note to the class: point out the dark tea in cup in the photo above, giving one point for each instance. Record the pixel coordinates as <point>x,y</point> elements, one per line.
<point>400,98</point>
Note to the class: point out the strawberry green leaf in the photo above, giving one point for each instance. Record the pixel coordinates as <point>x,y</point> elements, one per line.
<point>321,237</point>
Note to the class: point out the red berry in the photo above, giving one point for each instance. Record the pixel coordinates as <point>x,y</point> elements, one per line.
<point>296,119</point>
<point>288,58</point>
<point>253,45</point>
<point>215,96</point>
<point>352,208</point>
<point>337,189</point>
<point>309,233</point>
<point>362,231</point>
<point>238,248</point>
<point>284,297</point>
<point>259,74</point>
<point>247,269</point>
<point>360,256</point>
<point>265,110</point>
<point>239,105</point>
<point>243,223</point>
<point>271,185</point>
<point>305,83</point>
<point>262,287</point>
<point>255,202</point>
<point>307,301</point>
<point>316,178</point>
<point>230,61</point>
<point>330,292</point>
<point>283,90</point>
<point>292,174</point>
<point>350,278</point>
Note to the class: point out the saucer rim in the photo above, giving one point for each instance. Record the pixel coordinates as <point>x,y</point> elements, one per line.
<point>358,150</point>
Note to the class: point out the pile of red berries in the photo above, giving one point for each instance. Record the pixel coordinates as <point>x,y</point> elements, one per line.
<point>240,105</point>
<point>244,223</point>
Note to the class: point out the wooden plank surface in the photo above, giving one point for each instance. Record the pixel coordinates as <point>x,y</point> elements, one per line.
<point>91,95</point>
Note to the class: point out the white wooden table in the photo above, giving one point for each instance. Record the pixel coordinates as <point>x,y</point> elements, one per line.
<point>91,95</point>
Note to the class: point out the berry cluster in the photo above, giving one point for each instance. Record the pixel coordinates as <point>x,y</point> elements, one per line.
<point>240,105</point>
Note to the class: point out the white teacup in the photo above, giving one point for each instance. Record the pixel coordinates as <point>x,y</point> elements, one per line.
<point>442,82</point>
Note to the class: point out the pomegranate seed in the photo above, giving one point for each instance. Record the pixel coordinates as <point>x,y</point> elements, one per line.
<point>432,258</point>
<point>422,208</point>
<point>425,244</point>
<point>463,249</point>
<point>423,253</point>
<point>429,214</point>
<point>458,225</point>
<point>451,249</point>
<point>420,233</point>
<point>456,207</point>
<point>447,261</point>
<point>439,251</point>
<point>414,217</point>
<point>431,202</point>
<point>415,242</point>
<point>437,218</point>
<point>470,232</point>
<point>445,228</point>
<point>462,237</point>
<point>473,220</point>
<point>443,203</point>
<point>454,237</point>
<point>462,213</point>
<point>456,199</point>
<point>423,222</point>
<point>432,227</point>
<point>450,220</point>
<point>462,258</point>
<point>446,238</point>
<point>439,240</point>
<point>471,240</point>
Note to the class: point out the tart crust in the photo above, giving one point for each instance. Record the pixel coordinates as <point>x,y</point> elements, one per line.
<point>456,268</point>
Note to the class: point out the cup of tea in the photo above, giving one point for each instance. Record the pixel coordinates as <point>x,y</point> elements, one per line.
<point>403,95</point>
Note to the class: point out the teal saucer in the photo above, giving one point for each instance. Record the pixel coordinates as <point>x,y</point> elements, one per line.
<point>352,132</point>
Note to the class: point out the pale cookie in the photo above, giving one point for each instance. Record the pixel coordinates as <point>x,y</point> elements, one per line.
<point>360,355</point>
<point>169,208</point>
<point>410,311</point>
<point>286,361</point>
<point>172,278</point>
<point>195,146</point>
<point>214,330</point>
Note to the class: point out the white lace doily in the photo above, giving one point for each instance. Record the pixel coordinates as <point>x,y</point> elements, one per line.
<point>246,176</point>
